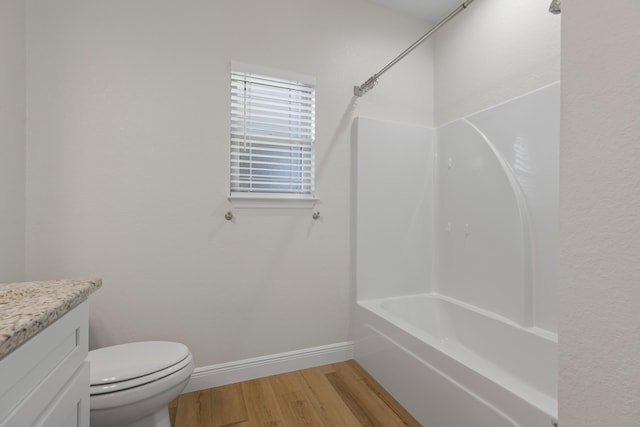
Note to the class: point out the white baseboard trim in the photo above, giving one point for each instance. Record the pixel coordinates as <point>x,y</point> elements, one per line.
<point>243,370</point>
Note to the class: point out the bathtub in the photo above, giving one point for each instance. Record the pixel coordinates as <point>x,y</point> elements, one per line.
<point>453,365</point>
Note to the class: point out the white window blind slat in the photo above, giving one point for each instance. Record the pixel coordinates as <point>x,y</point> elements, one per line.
<point>283,157</point>
<point>272,135</point>
<point>246,149</point>
<point>271,139</point>
<point>299,98</point>
<point>274,106</point>
<point>283,182</point>
<point>261,116</point>
<point>271,151</point>
<point>273,168</point>
<point>270,83</point>
<point>275,127</point>
<point>276,166</point>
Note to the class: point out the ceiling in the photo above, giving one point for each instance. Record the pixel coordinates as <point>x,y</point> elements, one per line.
<point>428,10</point>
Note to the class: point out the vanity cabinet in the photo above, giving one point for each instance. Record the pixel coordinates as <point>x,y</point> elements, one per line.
<point>45,381</point>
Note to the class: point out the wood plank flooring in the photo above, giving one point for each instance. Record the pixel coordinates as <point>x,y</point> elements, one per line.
<point>340,394</point>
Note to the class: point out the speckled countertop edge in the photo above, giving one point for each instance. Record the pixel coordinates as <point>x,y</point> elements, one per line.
<point>26,308</point>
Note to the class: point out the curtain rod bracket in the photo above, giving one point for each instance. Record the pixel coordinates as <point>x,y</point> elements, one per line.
<point>366,86</point>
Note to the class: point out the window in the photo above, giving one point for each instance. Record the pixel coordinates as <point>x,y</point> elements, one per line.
<point>272,138</point>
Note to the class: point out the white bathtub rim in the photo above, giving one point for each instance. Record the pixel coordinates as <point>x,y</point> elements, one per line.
<point>537,398</point>
<point>542,333</point>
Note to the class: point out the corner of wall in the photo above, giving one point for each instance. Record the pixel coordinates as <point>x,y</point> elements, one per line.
<point>13,147</point>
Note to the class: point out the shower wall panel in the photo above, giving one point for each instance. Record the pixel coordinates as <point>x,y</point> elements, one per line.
<point>393,179</point>
<point>468,210</point>
<point>496,222</point>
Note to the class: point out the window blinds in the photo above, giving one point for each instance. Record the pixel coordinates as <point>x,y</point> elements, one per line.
<point>272,135</point>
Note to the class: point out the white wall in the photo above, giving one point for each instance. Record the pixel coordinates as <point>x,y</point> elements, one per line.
<point>493,51</point>
<point>599,296</point>
<point>128,164</point>
<point>12,140</point>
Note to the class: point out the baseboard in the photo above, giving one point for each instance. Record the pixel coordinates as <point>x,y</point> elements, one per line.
<point>243,370</point>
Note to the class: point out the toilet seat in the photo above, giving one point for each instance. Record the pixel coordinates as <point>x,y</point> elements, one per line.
<point>126,366</point>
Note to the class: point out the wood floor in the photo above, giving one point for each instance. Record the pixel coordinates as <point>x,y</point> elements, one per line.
<point>340,394</point>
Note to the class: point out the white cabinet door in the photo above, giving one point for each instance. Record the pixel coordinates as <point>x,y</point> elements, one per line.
<point>71,406</point>
<point>45,381</point>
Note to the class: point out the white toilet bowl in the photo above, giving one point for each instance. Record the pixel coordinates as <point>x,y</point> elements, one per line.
<point>132,384</point>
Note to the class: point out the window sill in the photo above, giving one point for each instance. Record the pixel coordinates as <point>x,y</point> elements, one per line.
<point>271,201</point>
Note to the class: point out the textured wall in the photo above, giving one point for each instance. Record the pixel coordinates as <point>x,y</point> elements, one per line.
<point>12,140</point>
<point>129,159</point>
<point>599,295</point>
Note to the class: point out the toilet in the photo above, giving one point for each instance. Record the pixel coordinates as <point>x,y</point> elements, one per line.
<point>132,384</point>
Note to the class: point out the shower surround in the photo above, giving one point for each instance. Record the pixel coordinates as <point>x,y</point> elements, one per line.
<point>455,249</point>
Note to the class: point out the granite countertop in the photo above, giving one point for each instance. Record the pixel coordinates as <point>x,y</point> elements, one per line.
<point>27,308</point>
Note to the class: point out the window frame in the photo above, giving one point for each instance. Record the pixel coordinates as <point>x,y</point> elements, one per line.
<point>272,199</point>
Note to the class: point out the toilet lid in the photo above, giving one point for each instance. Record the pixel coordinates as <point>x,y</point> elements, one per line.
<point>128,361</point>
<point>180,371</point>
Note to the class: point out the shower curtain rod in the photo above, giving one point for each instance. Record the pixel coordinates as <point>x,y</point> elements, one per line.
<point>373,80</point>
